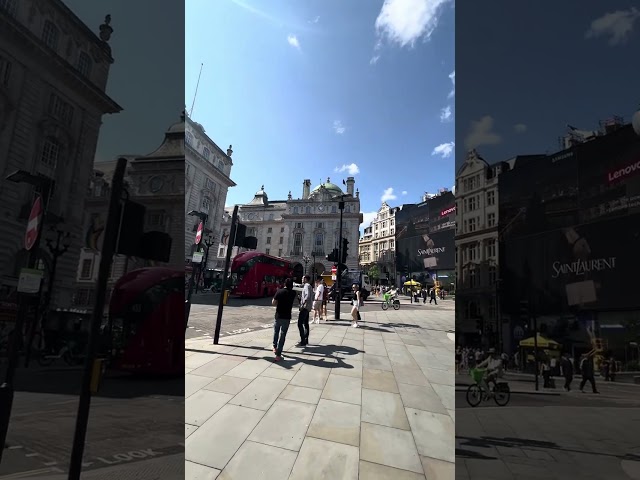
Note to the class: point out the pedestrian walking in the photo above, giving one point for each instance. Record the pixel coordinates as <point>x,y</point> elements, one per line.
<point>588,371</point>
<point>566,370</point>
<point>317,302</point>
<point>306,303</point>
<point>355,308</point>
<point>433,297</point>
<point>325,300</point>
<point>613,368</point>
<point>424,295</point>
<point>283,301</point>
<point>545,371</point>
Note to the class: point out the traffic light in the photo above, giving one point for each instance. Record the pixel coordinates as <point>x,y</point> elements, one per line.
<point>237,234</point>
<point>524,310</point>
<point>132,222</point>
<point>345,249</point>
<point>333,256</point>
<point>387,275</point>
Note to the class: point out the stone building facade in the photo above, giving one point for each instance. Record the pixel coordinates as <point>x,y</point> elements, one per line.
<point>53,74</point>
<point>208,172</point>
<point>302,230</point>
<point>377,245</point>
<point>157,181</point>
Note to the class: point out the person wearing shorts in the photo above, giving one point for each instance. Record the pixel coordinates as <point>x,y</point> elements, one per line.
<point>317,302</point>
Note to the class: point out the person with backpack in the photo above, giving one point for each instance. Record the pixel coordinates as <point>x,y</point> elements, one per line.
<point>587,370</point>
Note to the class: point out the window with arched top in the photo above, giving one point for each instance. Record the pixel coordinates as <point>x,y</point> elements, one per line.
<point>50,35</point>
<point>50,154</point>
<point>188,138</point>
<point>84,64</point>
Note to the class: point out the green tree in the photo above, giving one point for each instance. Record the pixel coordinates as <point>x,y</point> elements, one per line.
<point>374,272</point>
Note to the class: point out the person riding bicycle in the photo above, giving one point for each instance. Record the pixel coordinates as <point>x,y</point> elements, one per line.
<point>389,295</point>
<point>493,364</point>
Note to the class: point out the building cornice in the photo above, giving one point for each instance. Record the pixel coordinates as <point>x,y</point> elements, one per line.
<point>208,166</point>
<point>22,37</point>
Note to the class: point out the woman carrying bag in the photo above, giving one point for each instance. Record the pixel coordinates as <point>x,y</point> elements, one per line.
<point>355,302</point>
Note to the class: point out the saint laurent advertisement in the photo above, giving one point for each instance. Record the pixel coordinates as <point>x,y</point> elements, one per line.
<point>581,267</point>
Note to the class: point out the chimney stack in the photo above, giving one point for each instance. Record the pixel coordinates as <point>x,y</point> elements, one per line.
<point>350,183</point>
<point>229,151</point>
<point>306,189</point>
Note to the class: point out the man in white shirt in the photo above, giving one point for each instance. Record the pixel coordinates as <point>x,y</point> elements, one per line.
<point>306,299</point>
<point>317,302</point>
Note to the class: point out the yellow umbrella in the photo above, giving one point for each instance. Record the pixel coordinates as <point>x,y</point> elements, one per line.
<point>412,283</point>
<point>542,342</point>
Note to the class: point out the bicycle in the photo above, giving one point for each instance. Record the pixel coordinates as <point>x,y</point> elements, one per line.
<point>390,300</point>
<point>66,353</point>
<point>476,393</point>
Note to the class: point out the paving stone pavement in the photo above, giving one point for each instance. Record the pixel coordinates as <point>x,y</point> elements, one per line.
<point>357,404</point>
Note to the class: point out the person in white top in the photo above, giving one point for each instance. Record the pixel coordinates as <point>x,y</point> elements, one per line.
<point>317,302</point>
<point>355,309</point>
<point>493,364</point>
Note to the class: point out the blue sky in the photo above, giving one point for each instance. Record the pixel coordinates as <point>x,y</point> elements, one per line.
<point>528,69</point>
<point>322,88</point>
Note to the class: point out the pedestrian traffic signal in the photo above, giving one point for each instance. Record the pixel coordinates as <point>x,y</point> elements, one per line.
<point>345,249</point>
<point>237,234</point>
<point>387,275</point>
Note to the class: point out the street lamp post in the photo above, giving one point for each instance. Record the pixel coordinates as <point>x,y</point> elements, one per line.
<point>306,260</point>
<point>61,246</point>
<point>187,304</point>
<point>313,268</point>
<point>45,185</point>
<point>339,268</point>
<point>203,266</point>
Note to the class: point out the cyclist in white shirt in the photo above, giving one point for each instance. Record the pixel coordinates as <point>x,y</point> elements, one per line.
<point>493,364</point>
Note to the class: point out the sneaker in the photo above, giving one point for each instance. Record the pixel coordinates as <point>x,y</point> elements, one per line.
<point>355,325</point>
<point>278,358</point>
<point>300,344</point>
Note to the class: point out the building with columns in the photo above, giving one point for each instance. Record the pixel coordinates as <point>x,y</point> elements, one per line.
<point>477,242</point>
<point>303,230</point>
<point>207,181</point>
<point>157,181</point>
<point>53,74</point>
<point>377,245</point>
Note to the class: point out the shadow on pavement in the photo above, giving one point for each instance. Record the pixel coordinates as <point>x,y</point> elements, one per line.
<point>67,381</point>
<point>512,442</point>
<point>472,455</point>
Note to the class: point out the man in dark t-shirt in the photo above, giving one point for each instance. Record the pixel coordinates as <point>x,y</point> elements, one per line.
<point>283,301</point>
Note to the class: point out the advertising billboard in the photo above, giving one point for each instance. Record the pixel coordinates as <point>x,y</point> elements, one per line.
<point>425,238</point>
<point>583,267</point>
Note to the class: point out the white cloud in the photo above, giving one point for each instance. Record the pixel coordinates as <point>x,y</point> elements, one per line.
<point>444,149</point>
<point>374,59</point>
<point>445,114</point>
<point>352,169</point>
<point>315,20</point>
<point>452,77</point>
<point>404,192</point>
<point>520,127</point>
<point>293,41</point>
<point>338,127</point>
<point>405,21</point>
<point>616,25</point>
<point>481,133</point>
<point>367,218</point>
<point>388,195</point>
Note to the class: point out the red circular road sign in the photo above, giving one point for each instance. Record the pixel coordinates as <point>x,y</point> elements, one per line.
<point>334,270</point>
<point>199,233</point>
<point>33,227</point>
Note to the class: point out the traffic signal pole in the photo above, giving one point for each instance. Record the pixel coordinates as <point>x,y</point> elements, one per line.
<point>106,258</point>
<point>339,269</point>
<point>230,244</point>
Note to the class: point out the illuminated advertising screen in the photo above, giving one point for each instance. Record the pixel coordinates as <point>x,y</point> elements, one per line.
<point>583,267</point>
<point>425,235</point>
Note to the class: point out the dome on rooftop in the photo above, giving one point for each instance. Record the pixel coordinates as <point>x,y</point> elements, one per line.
<point>332,188</point>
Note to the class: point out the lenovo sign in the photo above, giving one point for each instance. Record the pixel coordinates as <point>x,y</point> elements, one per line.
<point>447,211</point>
<point>624,171</point>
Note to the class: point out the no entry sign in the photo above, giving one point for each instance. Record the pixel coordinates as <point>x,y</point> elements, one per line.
<point>33,227</point>
<point>199,233</point>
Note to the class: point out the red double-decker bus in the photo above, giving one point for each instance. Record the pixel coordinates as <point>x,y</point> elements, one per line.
<point>146,322</point>
<point>255,274</point>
